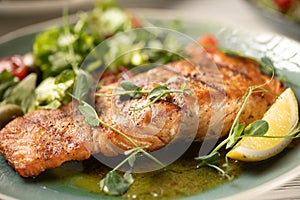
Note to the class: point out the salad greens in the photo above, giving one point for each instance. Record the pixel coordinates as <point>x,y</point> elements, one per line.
<point>51,92</point>
<point>59,51</point>
<point>23,94</point>
<point>59,48</point>
<point>106,19</point>
<point>7,83</point>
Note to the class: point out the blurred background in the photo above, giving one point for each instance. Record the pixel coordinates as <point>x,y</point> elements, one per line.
<point>15,14</point>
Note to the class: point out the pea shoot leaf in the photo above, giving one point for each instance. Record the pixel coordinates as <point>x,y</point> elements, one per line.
<point>115,184</point>
<point>257,128</point>
<point>210,159</point>
<point>129,86</point>
<point>134,89</point>
<point>128,176</point>
<point>233,53</point>
<point>89,114</point>
<point>157,91</point>
<point>267,66</point>
<point>131,161</point>
<point>82,85</point>
<point>235,136</point>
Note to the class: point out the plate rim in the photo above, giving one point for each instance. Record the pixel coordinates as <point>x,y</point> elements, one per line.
<point>25,7</point>
<point>263,188</point>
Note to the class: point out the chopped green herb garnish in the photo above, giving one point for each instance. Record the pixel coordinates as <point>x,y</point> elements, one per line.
<point>135,92</point>
<point>113,183</point>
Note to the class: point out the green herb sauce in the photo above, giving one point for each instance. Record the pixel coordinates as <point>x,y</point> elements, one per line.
<point>183,180</point>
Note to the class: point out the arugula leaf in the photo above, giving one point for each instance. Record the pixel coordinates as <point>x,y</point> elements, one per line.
<point>61,48</point>
<point>52,49</point>
<point>114,184</point>
<point>23,93</point>
<point>257,128</point>
<point>7,83</point>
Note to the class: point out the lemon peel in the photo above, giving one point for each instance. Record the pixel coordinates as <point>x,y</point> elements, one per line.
<point>282,118</point>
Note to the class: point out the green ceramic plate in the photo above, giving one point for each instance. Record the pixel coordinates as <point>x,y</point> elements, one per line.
<point>259,178</point>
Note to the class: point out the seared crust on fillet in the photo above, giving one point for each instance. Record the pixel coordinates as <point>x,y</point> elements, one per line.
<point>40,140</point>
<point>226,83</point>
<point>46,138</point>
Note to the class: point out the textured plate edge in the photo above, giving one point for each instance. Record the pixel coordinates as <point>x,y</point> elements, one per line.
<point>261,190</point>
<point>19,8</point>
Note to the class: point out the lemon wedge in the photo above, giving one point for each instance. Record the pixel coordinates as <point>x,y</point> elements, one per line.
<point>282,117</point>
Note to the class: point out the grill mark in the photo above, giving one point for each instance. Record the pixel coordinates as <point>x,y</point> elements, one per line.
<point>211,85</point>
<point>195,78</point>
<point>235,71</point>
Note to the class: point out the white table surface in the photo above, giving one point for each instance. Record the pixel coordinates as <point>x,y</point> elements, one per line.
<point>229,12</point>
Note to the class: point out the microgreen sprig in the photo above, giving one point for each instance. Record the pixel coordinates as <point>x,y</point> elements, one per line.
<point>257,128</point>
<point>132,91</point>
<point>113,183</point>
<point>110,181</point>
<point>161,91</point>
<point>239,130</point>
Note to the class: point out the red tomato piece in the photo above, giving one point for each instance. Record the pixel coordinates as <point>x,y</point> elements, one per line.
<point>284,5</point>
<point>208,42</point>
<point>135,22</point>
<point>14,65</point>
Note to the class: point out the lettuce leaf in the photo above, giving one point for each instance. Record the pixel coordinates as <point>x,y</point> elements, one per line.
<point>7,83</point>
<point>54,91</point>
<point>23,93</point>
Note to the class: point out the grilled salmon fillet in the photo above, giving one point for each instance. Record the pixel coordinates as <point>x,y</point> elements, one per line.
<point>46,138</point>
